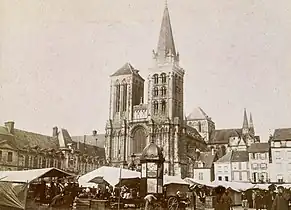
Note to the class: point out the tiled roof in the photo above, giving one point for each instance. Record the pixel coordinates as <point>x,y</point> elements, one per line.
<point>259,147</point>
<point>240,156</point>
<point>88,149</point>
<point>91,140</point>
<point>222,136</point>
<point>226,158</point>
<point>197,114</point>
<point>25,139</point>
<point>207,158</point>
<point>282,134</point>
<point>4,131</point>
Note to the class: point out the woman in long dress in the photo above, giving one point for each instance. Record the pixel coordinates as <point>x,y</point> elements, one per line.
<point>200,198</point>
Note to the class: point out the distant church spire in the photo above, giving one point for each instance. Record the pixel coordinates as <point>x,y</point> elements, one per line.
<point>251,124</point>
<point>245,127</point>
<point>166,46</point>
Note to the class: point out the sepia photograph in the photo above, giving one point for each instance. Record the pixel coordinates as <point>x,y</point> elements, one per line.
<point>145,105</point>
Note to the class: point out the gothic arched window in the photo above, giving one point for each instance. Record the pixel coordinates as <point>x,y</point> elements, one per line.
<point>117,99</point>
<point>139,140</point>
<point>164,78</point>
<point>124,99</point>
<point>164,91</point>
<point>35,162</point>
<point>163,107</point>
<point>199,127</point>
<point>156,91</point>
<point>156,107</point>
<point>156,78</point>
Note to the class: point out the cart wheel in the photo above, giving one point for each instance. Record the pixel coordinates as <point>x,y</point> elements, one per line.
<point>173,203</point>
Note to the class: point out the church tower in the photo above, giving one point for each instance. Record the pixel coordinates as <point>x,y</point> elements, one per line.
<point>166,77</point>
<point>245,128</point>
<point>251,125</point>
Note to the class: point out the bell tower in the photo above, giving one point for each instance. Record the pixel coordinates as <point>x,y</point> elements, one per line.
<point>166,77</point>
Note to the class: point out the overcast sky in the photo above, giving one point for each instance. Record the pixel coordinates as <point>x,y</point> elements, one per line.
<point>57,55</point>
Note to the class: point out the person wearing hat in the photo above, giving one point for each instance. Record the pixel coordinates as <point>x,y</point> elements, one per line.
<point>281,201</point>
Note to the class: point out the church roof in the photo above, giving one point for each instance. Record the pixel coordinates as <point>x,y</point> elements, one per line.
<point>126,69</point>
<point>197,114</point>
<point>222,136</point>
<point>245,121</point>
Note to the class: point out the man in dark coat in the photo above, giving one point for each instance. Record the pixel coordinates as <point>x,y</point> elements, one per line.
<point>281,201</point>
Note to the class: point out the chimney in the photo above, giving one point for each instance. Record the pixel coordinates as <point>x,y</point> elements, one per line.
<point>212,151</point>
<point>197,154</point>
<point>55,131</point>
<point>94,133</point>
<point>10,126</point>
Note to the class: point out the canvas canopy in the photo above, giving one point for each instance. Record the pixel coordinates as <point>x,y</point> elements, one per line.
<point>14,185</point>
<point>174,180</point>
<point>236,186</point>
<point>109,174</point>
<point>28,176</point>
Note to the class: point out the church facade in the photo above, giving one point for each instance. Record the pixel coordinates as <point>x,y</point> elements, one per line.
<point>133,123</point>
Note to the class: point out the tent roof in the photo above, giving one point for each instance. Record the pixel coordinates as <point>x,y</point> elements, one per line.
<point>28,176</point>
<point>174,180</point>
<point>109,174</point>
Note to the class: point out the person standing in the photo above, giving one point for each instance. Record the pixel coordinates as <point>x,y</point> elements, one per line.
<point>149,201</point>
<point>244,201</point>
<point>281,201</point>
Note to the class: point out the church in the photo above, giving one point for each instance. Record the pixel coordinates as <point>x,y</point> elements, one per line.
<point>133,123</point>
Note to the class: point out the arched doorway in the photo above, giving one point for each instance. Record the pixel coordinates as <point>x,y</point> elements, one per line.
<point>139,140</point>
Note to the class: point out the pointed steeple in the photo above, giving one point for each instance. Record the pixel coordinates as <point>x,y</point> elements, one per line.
<point>251,124</point>
<point>245,127</point>
<point>166,47</point>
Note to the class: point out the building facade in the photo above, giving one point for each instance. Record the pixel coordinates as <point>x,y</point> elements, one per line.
<point>22,150</point>
<point>259,162</point>
<point>133,122</point>
<point>280,168</point>
<point>234,166</point>
<point>203,171</point>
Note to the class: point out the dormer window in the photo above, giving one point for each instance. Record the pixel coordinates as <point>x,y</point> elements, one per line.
<point>283,143</point>
<point>200,164</point>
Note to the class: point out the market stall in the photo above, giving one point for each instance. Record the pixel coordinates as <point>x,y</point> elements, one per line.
<point>16,186</point>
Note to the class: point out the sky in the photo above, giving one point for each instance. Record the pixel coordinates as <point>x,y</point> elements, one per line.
<point>56,57</point>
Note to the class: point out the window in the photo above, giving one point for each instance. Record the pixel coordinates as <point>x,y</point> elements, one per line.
<point>199,127</point>
<point>239,165</point>
<point>156,91</point>
<point>156,107</point>
<point>124,100</point>
<point>283,143</point>
<point>240,176</point>
<point>219,169</point>
<point>226,178</point>
<point>263,156</point>
<point>289,166</point>
<point>280,178</point>
<point>289,154</point>
<point>263,166</point>
<point>21,160</point>
<point>0,155</point>
<point>163,107</point>
<point>255,166</point>
<point>9,159</point>
<point>156,79</point>
<point>117,102</point>
<point>164,91</point>
<point>200,176</point>
<point>225,169</point>
<point>164,78</point>
<point>253,156</point>
<point>220,178</point>
<point>277,155</point>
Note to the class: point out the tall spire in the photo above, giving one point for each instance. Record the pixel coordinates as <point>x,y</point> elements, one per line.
<point>245,123</point>
<point>251,124</point>
<point>166,46</point>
